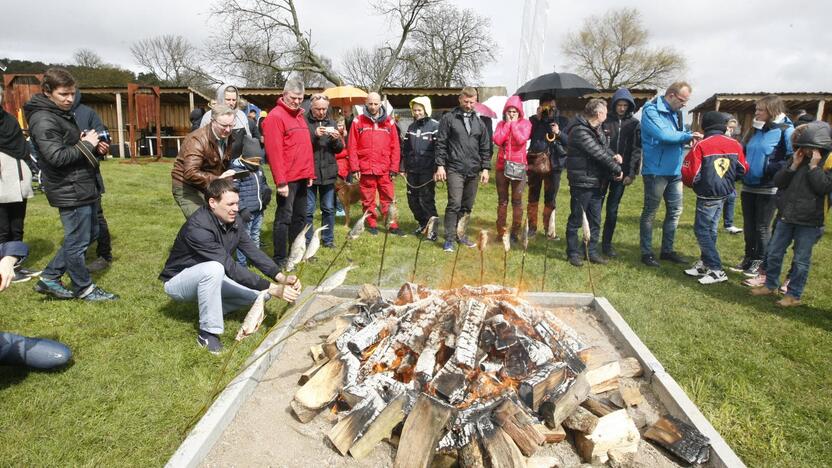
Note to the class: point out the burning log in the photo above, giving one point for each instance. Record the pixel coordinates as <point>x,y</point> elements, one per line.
<point>519,426</point>
<point>565,347</point>
<point>350,427</point>
<point>381,428</point>
<point>473,313</point>
<point>501,450</point>
<point>471,455</point>
<point>615,431</point>
<point>563,403</point>
<point>319,391</point>
<point>370,335</point>
<point>450,383</point>
<point>534,389</point>
<point>422,430</point>
<point>680,439</point>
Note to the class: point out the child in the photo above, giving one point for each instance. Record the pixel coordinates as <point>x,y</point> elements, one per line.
<point>419,164</point>
<point>802,189</point>
<point>710,168</point>
<point>255,193</point>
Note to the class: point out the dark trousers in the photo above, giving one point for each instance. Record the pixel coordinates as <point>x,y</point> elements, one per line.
<point>504,184</point>
<point>11,221</point>
<point>421,196</point>
<point>757,215</point>
<point>104,248</point>
<point>80,225</point>
<point>462,191</point>
<point>37,353</point>
<point>551,184</point>
<point>614,191</point>
<point>289,219</point>
<point>582,200</point>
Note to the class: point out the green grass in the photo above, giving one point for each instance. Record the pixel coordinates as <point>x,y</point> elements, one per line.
<point>761,375</point>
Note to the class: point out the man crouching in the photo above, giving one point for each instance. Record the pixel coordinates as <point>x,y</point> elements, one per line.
<point>201,266</point>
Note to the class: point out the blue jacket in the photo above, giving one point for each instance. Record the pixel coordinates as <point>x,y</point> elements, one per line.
<point>766,152</point>
<point>662,138</point>
<point>255,193</point>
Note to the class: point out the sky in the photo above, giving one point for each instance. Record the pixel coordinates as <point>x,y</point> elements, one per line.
<point>765,45</point>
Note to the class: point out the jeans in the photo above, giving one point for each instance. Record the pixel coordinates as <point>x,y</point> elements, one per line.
<point>215,293</point>
<point>12,216</point>
<point>657,188</point>
<point>104,248</point>
<point>327,196</point>
<point>37,353</point>
<point>253,229</point>
<point>705,224</point>
<point>804,237</point>
<point>421,196</point>
<point>616,192</point>
<point>504,184</point>
<point>80,227</point>
<point>289,219</point>
<point>728,210</point>
<point>757,214</point>
<point>462,191</point>
<point>582,200</point>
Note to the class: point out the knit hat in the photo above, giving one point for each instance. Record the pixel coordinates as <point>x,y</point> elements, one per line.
<point>251,148</point>
<point>814,135</point>
<point>713,120</point>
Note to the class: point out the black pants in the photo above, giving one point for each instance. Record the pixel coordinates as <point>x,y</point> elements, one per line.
<point>757,214</point>
<point>421,196</point>
<point>582,200</point>
<point>104,248</point>
<point>616,191</point>
<point>289,219</point>
<point>462,191</point>
<point>11,221</point>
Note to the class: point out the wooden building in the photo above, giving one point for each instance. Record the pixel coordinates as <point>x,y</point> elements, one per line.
<point>742,105</point>
<point>573,106</point>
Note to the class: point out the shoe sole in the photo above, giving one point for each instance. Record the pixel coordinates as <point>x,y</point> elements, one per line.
<point>721,280</point>
<point>47,292</point>
<point>698,273</point>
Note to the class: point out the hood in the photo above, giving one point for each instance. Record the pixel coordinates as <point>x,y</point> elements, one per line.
<point>77,101</point>
<point>622,94</point>
<point>382,114</point>
<point>221,93</point>
<point>425,102</point>
<point>196,114</point>
<point>516,103</point>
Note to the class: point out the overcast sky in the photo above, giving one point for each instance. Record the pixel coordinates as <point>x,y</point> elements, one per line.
<point>731,46</point>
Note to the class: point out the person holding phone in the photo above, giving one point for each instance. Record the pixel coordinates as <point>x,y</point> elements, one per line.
<point>511,136</point>
<point>326,143</point>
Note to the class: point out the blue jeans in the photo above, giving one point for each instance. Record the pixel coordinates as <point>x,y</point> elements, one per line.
<point>656,188</point>
<point>582,200</point>
<point>37,353</point>
<point>80,228</point>
<point>616,191</point>
<point>253,229</point>
<point>705,224</point>
<point>215,293</point>
<point>327,195</point>
<point>804,237</point>
<point>728,210</point>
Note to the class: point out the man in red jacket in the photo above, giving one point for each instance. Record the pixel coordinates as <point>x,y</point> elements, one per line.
<point>374,155</point>
<point>289,152</point>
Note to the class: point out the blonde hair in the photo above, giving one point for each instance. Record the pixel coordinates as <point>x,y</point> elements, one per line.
<point>773,105</point>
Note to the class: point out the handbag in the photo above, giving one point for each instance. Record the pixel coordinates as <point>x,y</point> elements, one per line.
<point>514,170</point>
<point>539,163</point>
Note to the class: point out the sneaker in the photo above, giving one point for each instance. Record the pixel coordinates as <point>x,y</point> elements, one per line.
<point>762,291</point>
<point>98,264</point>
<point>20,277</point>
<point>418,231</point>
<point>753,269</point>
<point>433,236</point>
<point>733,230</point>
<point>742,266</point>
<point>209,341</point>
<point>672,257</point>
<point>395,231</point>
<point>53,288</point>
<point>755,282</point>
<point>449,246</point>
<point>574,260</point>
<point>96,294</point>
<point>788,301</point>
<point>30,273</point>
<point>698,269</point>
<point>597,259</point>
<point>466,242</point>
<point>372,231</point>
<point>609,251</point>
<point>713,276</point>
<point>649,260</point>
<point>785,286</point>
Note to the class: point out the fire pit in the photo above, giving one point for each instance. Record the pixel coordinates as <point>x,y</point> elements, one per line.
<point>476,376</point>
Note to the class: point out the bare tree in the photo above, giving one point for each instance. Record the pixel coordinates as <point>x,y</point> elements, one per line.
<point>87,58</point>
<point>362,66</point>
<point>172,59</point>
<point>450,47</point>
<point>613,51</point>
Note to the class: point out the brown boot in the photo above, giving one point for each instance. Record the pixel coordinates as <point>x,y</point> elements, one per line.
<point>788,301</point>
<point>531,215</point>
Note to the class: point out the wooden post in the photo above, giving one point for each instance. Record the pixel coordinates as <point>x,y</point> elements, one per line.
<point>191,100</point>
<point>120,124</point>
<point>716,106</point>
<point>821,105</point>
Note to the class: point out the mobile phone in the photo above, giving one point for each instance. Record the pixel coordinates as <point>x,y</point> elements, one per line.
<point>329,129</point>
<point>241,174</point>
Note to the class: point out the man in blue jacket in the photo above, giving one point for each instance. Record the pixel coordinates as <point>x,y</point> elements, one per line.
<point>662,138</point>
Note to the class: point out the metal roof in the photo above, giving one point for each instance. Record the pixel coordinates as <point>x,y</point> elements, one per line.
<point>733,102</point>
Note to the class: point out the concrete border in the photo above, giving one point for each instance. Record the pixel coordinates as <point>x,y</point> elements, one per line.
<point>205,434</point>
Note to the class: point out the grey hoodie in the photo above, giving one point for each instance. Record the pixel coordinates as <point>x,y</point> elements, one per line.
<point>240,120</point>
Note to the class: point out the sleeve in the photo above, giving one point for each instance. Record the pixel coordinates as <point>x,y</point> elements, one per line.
<point>820,181</point>
<point>51,145</point>
<point>336,145</point>
<point>784,176</point>
<point>485,150</point>
<point>501,133</point>
<point>636,155</point>
<point>352,147</point>
<point>742,164</point>
<point>521,131</point>
<point>596,151</point>
<point>395,149</point>
<point>405,151</point>
<point>782,152</point>
<point>204,244</point>
<point>258,258</point>
<point>654,126</point>
<point>441,153</point>
<point>691,165</point>
<point>192,159</point>
<point>273,136</point>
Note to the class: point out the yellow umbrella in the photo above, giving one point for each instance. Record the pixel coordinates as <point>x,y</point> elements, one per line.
<point>342,96</point>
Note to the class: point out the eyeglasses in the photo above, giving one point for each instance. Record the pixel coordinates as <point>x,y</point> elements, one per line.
<point>228,126</point>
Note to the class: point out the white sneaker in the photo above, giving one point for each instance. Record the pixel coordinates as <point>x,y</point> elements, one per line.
<point>733,230</point>
<point>698,269</point>
<point>713,276</point>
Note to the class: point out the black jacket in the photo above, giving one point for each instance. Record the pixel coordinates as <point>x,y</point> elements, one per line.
<point>801,193</point>
<point>590,161</point>
<point>87,119</point>
<point>461,152</point>
<point>324,149</point>
<point>419,147</point>
<point>203,238</point>
<point>538,142</point>
<point>68,165</point>
<point>624,133</point>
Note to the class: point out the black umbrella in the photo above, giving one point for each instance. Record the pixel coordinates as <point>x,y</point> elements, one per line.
<point>557,85</point>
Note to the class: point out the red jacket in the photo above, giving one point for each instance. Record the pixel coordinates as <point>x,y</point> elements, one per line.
<point>288,145</point>
<point>374,146</point>
<point>511,137</point>
<point>713,165</point>
<point>343,161</point>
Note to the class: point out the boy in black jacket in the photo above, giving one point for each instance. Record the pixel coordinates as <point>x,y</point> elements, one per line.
<point>419,163</point>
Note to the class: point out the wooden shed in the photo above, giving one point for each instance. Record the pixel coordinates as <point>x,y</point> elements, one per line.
<point>573,106</point>
<point>742,105</point>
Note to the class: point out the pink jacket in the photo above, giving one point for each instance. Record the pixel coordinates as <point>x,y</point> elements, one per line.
<point>511,137</point>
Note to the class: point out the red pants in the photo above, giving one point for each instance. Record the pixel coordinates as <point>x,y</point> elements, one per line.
<point>369,184</point>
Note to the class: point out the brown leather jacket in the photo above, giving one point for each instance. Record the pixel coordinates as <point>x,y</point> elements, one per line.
<point>198,162</point>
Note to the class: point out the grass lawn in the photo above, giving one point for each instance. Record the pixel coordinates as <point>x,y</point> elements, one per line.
<point>760,374</point>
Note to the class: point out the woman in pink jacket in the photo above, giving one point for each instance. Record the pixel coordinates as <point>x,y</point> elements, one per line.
<point>511,136</point>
